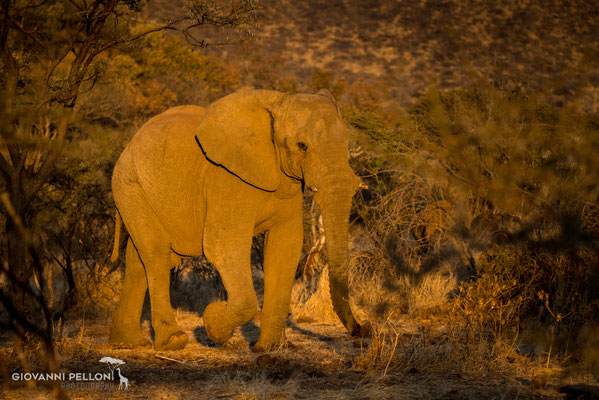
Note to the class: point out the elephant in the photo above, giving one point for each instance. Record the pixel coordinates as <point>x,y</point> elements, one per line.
<point>195,181</point>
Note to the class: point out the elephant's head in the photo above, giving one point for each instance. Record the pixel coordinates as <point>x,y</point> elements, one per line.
<point>266,137</point>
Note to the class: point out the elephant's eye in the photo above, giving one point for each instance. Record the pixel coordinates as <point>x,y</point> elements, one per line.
<point>302,146</point>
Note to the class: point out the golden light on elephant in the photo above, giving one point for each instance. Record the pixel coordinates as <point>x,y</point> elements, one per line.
<point>198,181</point>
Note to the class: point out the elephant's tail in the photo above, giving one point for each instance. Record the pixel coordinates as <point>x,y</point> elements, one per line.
<point>117,236</point>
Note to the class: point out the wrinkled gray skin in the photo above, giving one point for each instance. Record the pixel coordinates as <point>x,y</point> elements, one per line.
<point>195,181</point>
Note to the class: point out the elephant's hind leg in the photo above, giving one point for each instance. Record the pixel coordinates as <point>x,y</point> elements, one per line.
<point>125,328</point>
<point>167,335</point>
<point>156,258</point>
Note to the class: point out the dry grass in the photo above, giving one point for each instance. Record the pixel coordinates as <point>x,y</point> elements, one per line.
<point>414,355</point>
<point>405,359</point>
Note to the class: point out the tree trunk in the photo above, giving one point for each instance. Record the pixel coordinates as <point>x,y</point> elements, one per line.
<point>72,293</point>
<point>16,251</point>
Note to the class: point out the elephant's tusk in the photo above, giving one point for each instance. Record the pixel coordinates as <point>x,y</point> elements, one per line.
<point>363,185</point>
<point>314,189</point>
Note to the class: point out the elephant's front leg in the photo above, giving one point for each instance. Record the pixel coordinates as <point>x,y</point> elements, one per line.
<point>227,244</point>
<point>281,255</point>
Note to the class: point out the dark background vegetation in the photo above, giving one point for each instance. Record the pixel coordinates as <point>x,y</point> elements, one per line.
<point>475,126</point>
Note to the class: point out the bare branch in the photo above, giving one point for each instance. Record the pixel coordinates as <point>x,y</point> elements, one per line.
<point>41,3</point>
<point>11,67</point>
<point>68,49</point>
<point>5,167</point>
<point>13,150</point>
<point>37,41</point>
<point>138,36</point>
<point>77,6</point>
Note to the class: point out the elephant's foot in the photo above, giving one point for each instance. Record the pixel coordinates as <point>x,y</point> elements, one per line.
<point>268,343</point>
<point>216,326</point>
<point>132,338</point>
<point>175,341</point>
<point>262,346</point>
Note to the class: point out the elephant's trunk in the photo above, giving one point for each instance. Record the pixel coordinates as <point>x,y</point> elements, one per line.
<point>335,204</point>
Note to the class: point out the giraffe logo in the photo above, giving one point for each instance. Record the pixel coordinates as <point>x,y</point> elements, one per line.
<point>114,365</point>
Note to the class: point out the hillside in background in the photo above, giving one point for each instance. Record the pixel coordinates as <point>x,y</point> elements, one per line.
<point>403,47</point>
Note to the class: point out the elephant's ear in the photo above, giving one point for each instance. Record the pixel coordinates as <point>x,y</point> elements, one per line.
<point>236,133</point>
<point>326,93</point>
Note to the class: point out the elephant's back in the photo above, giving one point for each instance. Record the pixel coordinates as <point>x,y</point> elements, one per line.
<point>166,141</point>
<point>182,114</point>
<point>166,161</point>
<point>152,140</point>
<point>179,122</point>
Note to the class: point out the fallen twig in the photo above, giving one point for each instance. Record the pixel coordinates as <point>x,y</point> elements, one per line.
<point>160,356</point>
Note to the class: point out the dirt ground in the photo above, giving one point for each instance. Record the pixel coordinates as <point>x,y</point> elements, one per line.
<point>321,361</point>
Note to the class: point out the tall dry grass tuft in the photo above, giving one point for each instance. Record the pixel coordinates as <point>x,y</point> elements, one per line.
<point>399,350</point>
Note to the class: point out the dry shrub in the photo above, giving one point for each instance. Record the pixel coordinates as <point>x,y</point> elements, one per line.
<point>195,283</point>
<point>495,189</point>
<point>522,177</point>
<point>383,352</point>
<point>413,261</point>
<point>324,80</point>
<point>498,152</point>
<point>518,289</point>
<point>402,350</point>
<point>372,96</point>
<point>99,288</point>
